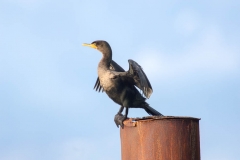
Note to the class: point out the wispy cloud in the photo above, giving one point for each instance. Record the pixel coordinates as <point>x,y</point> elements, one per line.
<point>210,54</point>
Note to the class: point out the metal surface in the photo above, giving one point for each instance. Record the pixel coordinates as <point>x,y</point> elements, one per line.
<point>160,138</point>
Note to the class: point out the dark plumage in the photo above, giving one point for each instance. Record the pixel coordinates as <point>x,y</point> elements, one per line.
<point>120,85</point>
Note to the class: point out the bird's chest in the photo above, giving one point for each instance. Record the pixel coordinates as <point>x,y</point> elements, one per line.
<point>107,80</point>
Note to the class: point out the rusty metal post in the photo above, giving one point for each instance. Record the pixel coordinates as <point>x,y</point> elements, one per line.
<point>160,138</point>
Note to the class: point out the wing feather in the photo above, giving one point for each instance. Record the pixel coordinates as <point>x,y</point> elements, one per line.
<point>140,78</point>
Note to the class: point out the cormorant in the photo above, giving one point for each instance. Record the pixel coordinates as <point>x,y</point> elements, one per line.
<point>120,85</point>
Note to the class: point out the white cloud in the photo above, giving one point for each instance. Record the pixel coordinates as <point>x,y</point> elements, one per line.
<point>209,55</point>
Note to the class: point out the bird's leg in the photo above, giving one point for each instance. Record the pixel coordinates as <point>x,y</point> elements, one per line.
<point>126,112</point>
<point>119,118</point>
<point>120,110</point>
<point>123,118</point>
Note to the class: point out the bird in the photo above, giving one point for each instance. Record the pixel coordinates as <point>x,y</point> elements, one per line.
<point>120,85</point>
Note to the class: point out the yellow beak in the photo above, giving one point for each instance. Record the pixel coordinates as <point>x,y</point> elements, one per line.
<point>93,45</point>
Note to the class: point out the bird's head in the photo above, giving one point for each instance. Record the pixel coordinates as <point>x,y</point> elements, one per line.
<point>100,45</point>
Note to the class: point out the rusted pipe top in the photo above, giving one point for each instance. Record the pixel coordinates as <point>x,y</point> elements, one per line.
<point>160,138</point>
<point>133,121</point>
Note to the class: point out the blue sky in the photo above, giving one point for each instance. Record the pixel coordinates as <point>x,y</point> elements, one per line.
<point>48,109</point>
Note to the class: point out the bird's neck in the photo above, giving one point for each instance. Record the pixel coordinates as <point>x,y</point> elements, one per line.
<point>106,59</point>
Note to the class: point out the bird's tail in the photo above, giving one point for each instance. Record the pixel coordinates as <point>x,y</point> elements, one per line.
<point>151,110</point>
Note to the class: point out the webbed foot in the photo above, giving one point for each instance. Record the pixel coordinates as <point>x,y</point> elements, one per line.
<point>119,118</point>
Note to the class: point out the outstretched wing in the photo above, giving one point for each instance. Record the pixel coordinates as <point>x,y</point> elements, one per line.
<point>113,66</point>
<point>136,76</point>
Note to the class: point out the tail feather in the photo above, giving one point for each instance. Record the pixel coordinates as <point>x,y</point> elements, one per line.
<point>152,111</point>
